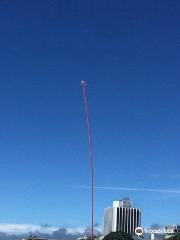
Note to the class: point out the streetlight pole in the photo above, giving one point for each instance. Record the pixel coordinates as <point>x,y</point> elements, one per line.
<point>90,150</point>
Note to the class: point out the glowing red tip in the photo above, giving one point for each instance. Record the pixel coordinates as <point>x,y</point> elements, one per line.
<point>83,83</point>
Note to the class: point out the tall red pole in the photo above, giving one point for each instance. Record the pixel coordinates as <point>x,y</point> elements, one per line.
<point>90,150</point>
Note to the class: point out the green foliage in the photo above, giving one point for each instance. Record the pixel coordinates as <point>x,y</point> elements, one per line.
<point>119,236</point>
<point>176,237</point>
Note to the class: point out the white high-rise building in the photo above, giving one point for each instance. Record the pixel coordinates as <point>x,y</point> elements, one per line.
<point>172,230</point>
<point>122,217</point>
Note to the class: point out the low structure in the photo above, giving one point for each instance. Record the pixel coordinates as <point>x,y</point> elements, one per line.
<point>172,230</point>
<point>89,238</point>
<point>157,236</point>
<point>34,238</point>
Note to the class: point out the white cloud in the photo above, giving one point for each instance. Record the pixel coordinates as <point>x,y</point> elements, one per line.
<point>137,189</point>
<point>81,229</point>
<point>24,228</point>
<point>75,230</point>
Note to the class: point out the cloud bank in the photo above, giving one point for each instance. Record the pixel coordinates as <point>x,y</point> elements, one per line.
<point>20,231</point>
<point>25,228</point>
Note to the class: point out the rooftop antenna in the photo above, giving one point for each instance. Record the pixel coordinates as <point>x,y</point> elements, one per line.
<point>83,83</point>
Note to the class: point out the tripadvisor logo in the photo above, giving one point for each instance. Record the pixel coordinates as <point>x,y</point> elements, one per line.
<point>139,231</point>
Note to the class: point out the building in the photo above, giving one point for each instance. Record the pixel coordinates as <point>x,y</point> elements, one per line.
<point>172,230</point>
<point>122,217</point>
<point>89,238</point>
<point>84,238</point>
<point>157,236</point>
<point>34,238</point>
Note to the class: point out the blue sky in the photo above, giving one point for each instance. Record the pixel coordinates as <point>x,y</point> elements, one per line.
<point>129,54</point>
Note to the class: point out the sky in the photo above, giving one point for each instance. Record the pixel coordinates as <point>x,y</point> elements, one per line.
<point>129,54</point>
